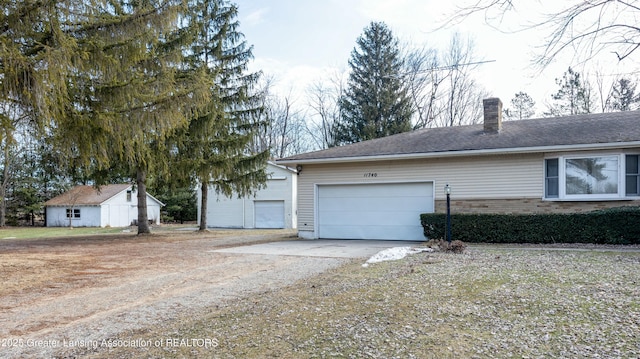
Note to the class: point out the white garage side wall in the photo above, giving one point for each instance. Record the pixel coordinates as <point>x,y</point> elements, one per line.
<point>57,217</point>
<point>240,212</point>
<point>89,217</point>
<point>153,211</point>
<point>495,177</point>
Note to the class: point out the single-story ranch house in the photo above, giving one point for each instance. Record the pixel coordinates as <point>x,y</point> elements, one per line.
<point>376,189</point>
<point>271,207</point>
<point>114,205</point>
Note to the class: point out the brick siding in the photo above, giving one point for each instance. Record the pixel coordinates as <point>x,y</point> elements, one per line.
<point>526,206</point>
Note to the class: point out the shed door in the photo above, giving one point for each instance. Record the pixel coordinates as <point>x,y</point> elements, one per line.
<point>269,214</point>
<point>373,211</point>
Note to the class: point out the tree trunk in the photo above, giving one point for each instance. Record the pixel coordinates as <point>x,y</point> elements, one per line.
<point>3,187</point>
<point>3,208</point>
<point>203,206</point>
<point>143,218</point>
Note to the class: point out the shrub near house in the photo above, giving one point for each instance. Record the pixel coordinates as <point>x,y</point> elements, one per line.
<point>610,226</point>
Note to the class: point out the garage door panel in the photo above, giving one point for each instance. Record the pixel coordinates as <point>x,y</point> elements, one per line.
<point>392,190</point>
<point>225,212</point>
<point>341,204</point>
<point>371,232</point>
<point>269,214</point>
<point>404,218</point>
<point>373,211</point>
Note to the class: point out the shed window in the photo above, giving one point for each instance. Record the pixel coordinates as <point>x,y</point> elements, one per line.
<point>73,212</point>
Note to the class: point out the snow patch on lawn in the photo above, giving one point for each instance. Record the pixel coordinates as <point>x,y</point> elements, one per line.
<point>395,253</point>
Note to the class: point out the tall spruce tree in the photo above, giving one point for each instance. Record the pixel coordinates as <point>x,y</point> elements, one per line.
<point>213,149</point>
<point>133,90</point>
<point>37,52</point>
<point>376,103</point>
<point>36,55</point>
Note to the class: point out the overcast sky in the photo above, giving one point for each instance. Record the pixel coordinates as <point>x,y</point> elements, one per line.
<point>298,42</point>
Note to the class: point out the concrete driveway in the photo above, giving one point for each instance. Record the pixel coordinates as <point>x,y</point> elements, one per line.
<point>327,248</point>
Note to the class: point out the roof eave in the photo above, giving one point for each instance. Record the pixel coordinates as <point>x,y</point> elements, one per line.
<point>445,154</point>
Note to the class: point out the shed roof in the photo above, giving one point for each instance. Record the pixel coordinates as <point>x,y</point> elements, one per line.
<point>534,135</point>
<point>87,195</point>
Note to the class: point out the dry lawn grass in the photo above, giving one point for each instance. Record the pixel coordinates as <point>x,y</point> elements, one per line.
<point>485,303</point>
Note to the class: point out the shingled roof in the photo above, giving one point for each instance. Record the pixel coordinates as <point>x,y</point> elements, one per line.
<point>87,195</point>
<point>536,135</point>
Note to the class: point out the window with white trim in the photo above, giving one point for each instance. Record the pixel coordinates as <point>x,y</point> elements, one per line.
<point>73,212</point>
<point>596,177</point>
<point>632,175</point>
<point>551,182</point>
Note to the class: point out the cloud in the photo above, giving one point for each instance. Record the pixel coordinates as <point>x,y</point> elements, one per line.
<point>256,17</point>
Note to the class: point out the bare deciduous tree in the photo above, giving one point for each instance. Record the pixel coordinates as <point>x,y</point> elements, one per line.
<point>587,28</point>
<point>424,77</point>
<point>442,87</point>
<point>323,99</point>
<point>284,132</point>
<point>462,102</point>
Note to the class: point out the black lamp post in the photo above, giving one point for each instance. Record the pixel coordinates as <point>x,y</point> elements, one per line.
<point>447,190</point>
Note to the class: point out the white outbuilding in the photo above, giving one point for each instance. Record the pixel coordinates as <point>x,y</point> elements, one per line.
<point>114,205</point>
<point>271,207</point>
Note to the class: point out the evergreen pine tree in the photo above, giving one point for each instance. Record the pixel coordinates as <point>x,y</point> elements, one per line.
<point>624,96</point>
<point>573,96</point>
<point>36,57</point>
<point>376,102</point>
<point>214,147</point>
<point>522,107</point>
<point>133,90</point>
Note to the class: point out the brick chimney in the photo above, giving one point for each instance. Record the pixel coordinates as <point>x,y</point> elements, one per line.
<point>492,115</point>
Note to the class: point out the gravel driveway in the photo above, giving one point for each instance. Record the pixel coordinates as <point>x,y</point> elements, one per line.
<point>93,289</point>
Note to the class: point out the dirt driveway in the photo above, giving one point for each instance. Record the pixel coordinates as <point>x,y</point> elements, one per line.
<point>60,296</point>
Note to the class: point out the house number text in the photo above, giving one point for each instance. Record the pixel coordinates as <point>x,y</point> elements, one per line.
<point>371,174</point>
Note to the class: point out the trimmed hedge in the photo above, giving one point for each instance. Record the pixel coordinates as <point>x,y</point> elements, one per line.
<point>611,226</point>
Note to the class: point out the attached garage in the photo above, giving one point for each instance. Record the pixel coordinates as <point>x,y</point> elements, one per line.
<point>386,211</point>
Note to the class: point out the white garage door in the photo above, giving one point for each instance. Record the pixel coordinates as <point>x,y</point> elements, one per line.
<point>269,214</point>
<point>225,212</point>
<point>373,211</point>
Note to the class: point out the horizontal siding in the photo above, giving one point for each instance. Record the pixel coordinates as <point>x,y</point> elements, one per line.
<point>240,212</point>
<point>494,177</point>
